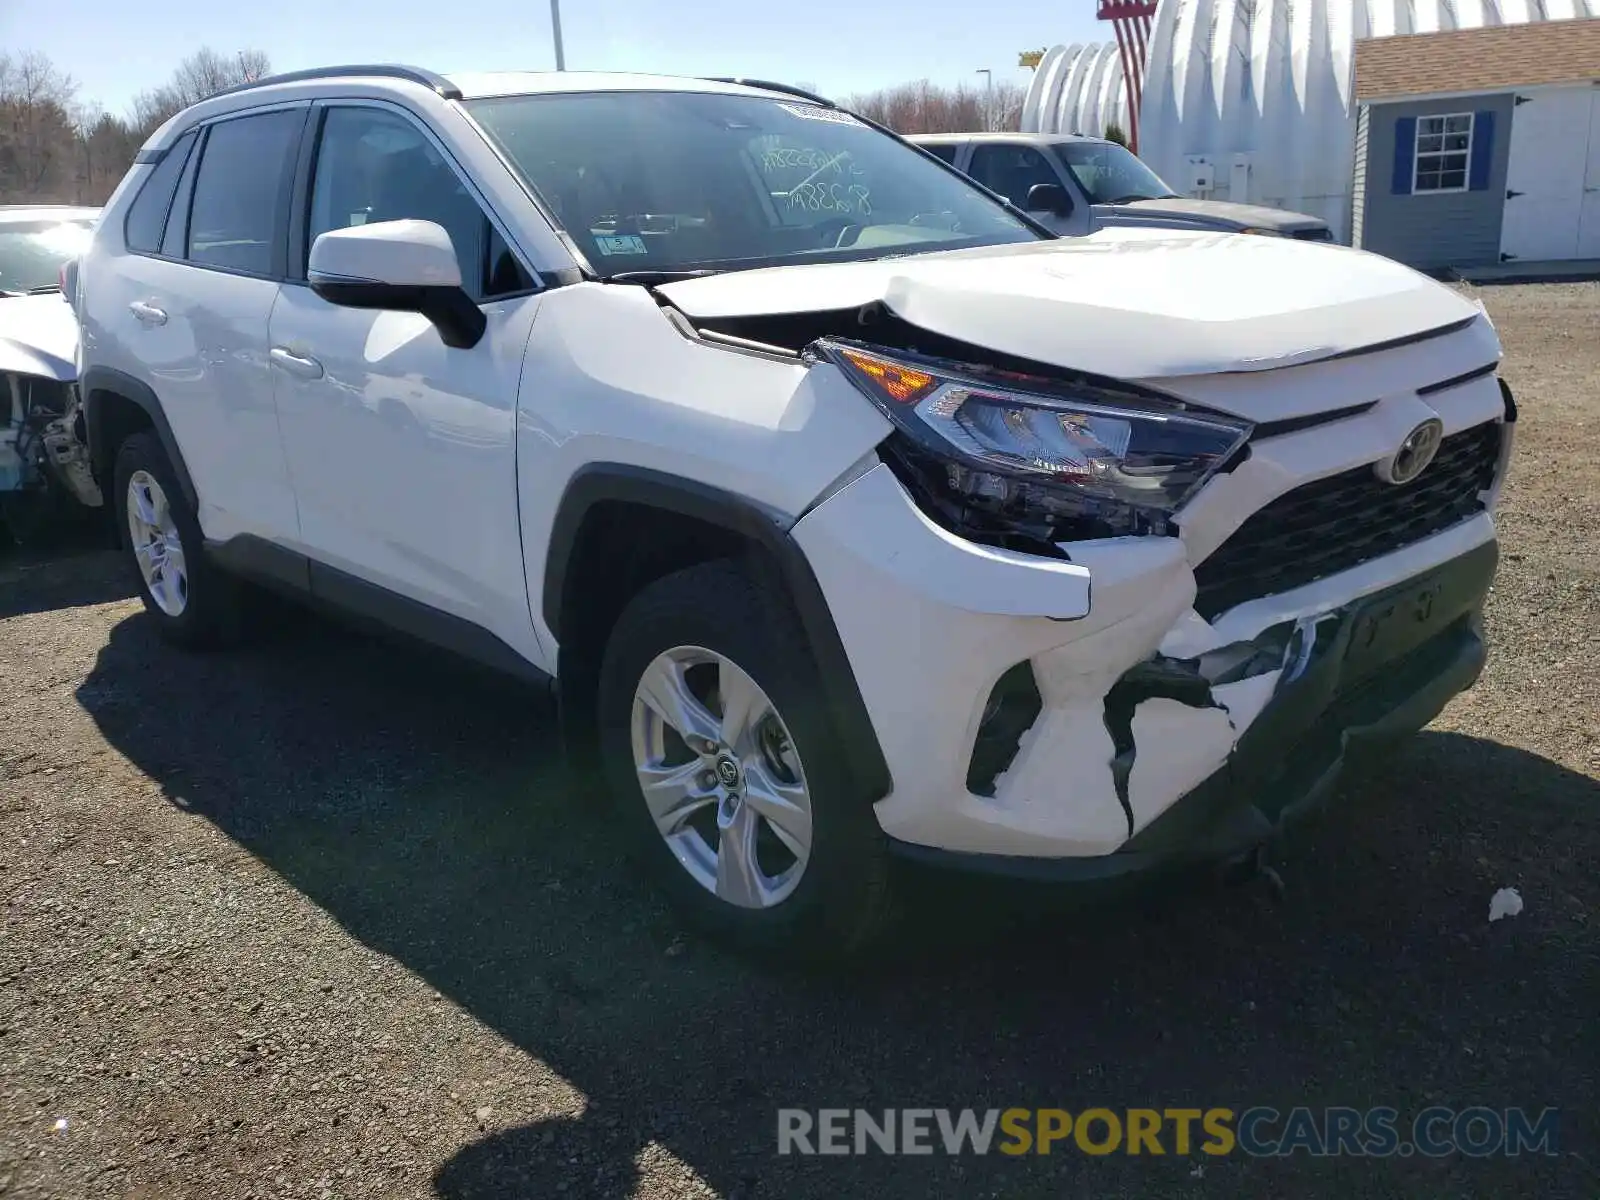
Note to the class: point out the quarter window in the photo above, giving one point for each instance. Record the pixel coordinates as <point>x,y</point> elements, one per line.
<point>177,235</point>
<point>1444,148</point>
<point>147,215</point>
<point>235,217</point>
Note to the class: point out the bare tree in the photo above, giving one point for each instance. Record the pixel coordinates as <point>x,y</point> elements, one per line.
<point>106,146</point>
<point>204,73</point>
<point>36,131</point>
<point>924,107</point>
<point>54,147</point>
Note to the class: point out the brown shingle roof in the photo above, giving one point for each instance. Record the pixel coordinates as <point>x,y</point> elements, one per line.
<point>1473,60</point>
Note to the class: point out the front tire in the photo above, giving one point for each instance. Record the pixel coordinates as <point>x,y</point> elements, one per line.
<point>719,754</point>
<point>193,603</point>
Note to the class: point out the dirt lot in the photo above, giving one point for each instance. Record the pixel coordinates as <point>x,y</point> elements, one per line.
<point>316,920</point>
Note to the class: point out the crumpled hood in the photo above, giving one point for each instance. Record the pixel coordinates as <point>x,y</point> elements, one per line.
<point>1217,211</point>
<point>39,336</point>
<point>1125,303</point>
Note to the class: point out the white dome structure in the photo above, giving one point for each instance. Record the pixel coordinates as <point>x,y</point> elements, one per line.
<point>1253,97</point>
<point>1076,89</point>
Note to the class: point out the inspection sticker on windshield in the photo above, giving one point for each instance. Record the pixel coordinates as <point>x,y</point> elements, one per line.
<point>628,243</point>
<point>815,112</point>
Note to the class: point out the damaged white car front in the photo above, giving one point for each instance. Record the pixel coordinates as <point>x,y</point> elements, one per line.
<point>1158,540</point>
<point>43,458</point>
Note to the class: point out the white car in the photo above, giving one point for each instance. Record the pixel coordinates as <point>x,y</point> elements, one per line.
<point>853,516</point>
<point>38,351</point>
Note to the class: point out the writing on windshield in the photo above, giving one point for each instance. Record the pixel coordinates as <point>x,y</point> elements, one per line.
<point>807,179</point>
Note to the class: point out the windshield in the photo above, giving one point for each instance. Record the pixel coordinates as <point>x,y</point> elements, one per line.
<point>684,181</point>
<point>31,252</point>
<point>1111,174</point>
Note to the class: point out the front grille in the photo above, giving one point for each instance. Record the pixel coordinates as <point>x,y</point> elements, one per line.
<point>1333,524</point>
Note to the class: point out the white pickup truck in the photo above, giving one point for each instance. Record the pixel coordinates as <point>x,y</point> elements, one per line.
<point>1088,183</point>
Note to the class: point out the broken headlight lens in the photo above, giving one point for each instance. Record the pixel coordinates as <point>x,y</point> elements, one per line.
<point>1068,461</point>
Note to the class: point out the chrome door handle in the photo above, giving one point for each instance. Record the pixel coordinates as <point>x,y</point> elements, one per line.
<point>301,365</point>
<point>147,314</point>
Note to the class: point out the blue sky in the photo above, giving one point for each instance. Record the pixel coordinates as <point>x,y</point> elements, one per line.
<point>115,49</point>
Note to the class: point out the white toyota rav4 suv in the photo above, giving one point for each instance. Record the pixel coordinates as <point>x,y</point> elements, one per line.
<point>853,516</point>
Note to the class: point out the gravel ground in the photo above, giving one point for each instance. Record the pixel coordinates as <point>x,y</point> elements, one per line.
<point>315,920</point>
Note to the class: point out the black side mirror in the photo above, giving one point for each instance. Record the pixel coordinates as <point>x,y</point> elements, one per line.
<point>1049,198</point>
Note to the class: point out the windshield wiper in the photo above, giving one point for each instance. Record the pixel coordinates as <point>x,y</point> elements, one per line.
<point>1132,196</point>
<point>44,290</point>
<point>652,278</point>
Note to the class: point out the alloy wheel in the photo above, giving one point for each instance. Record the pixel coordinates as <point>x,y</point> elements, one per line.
<point>157,545</point>
<point>721,777</point>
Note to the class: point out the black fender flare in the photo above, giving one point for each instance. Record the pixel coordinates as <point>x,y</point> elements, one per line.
<point>596,483</point>
<point>98,382</point>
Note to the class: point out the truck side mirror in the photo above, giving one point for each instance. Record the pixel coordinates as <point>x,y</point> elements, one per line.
<point>1049,198</point>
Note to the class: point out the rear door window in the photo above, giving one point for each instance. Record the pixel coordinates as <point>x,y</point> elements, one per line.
<point>236,218</point>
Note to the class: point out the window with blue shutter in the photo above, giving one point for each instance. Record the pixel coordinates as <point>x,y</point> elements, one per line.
<point>1444,154</point>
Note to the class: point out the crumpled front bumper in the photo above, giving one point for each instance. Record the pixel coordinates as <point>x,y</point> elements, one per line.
<point>1117,772</point>
<point>1380,669</point>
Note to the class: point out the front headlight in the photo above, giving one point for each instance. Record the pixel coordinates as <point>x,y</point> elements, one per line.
<point>1058,461</point>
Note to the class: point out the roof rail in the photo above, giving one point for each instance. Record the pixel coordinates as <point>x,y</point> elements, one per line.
<point>428,79</point>
<point>767,85</point>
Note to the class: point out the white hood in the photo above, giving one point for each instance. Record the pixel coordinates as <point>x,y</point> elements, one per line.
<point>1124,303</point>
<point>39,336</point>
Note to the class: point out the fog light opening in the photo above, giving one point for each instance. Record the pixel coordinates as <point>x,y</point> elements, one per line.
<point>1014,704</point>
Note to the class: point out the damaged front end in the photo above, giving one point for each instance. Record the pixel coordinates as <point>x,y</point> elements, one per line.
<point>1344,681</point>
<point>1208,757</point>
<point>44,456</point>
<point>1174,623</point>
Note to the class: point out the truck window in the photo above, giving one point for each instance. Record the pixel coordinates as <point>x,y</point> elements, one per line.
<point>1011,171</point>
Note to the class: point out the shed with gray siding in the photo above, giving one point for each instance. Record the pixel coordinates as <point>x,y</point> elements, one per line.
<point>1405,212</point>
<point>1479,146</point>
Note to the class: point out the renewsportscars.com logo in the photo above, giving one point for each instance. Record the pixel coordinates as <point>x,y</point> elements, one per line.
<point>1259,1132</point>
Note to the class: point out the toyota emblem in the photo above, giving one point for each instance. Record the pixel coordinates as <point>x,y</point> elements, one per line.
<point>728,772</point>
<point>1414,454</point>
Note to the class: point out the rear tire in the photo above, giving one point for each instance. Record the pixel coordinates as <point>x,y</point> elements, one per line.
<point>194,604</point>
<point>713,630</point>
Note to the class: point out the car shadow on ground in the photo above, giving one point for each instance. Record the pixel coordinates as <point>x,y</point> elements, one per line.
<point>63,565</point>
<point>422,806</point>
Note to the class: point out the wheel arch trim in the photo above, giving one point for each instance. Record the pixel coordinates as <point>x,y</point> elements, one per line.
<point>98,382</point>
<point>602,482</point>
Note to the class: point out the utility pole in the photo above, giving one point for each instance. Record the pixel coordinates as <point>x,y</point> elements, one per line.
<point>555,33</point>
<point>988,99</point>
